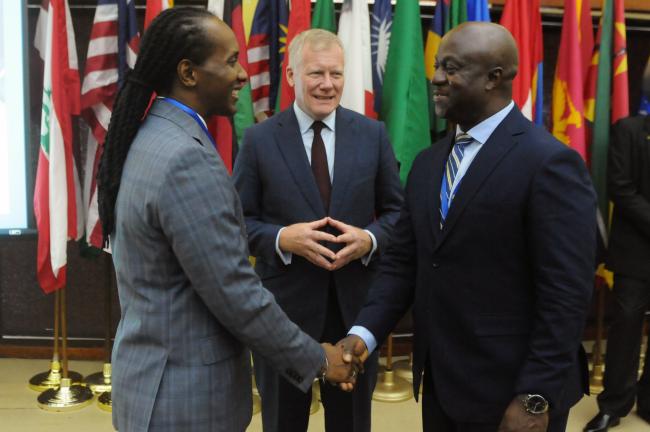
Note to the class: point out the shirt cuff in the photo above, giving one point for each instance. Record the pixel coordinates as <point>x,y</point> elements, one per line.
<point>284,256</point>
<point>368,338</point>
<point>366,259</point>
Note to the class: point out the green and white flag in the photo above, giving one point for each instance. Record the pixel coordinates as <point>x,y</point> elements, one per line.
<point>57,189</point>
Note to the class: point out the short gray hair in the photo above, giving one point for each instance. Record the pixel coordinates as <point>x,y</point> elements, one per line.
<point>316,39</point>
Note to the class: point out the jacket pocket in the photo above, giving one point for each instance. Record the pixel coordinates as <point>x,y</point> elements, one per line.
<point>501,325</point>
<point>219,347</point>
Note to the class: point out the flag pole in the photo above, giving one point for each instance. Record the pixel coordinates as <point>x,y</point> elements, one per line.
<point>598,367</point>
<point>100,382</point>
<point>52,379</point>
<point>68,396</point>
<point>104,401</point>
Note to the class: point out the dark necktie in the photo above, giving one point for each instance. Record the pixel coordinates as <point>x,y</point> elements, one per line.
<point>319,165</point>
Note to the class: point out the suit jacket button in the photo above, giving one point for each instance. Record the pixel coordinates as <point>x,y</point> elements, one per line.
<point>435,265</point>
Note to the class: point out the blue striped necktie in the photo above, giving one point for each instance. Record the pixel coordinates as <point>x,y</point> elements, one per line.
<point>451,169</point>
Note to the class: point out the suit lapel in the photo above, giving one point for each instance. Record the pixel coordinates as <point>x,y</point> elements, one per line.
<point>290,144</point>
<point>487,159</point>
<point>345,157</point>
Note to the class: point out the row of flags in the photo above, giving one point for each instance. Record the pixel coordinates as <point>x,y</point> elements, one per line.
<point>64,210</point>
<point>387,69</point>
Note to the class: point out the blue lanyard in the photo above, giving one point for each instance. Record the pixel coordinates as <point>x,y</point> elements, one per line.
<point>192,114</point>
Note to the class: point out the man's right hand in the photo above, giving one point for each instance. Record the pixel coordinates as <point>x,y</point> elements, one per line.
<point>302,239</point>
<point>354,352</point>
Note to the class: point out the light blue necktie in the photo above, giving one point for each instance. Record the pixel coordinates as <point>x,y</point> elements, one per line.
<point>451,169</point>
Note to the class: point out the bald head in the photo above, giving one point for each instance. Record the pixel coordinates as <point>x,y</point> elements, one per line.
<point>476,63</point>
<point>489,43</point>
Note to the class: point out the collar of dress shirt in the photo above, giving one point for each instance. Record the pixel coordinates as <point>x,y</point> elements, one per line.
<point>482,131</point>
<point>305,122</point>
<point>198,115</point>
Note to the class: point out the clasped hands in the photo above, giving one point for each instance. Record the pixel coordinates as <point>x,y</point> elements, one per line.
<point>345,361</point>
<point>305,239</point>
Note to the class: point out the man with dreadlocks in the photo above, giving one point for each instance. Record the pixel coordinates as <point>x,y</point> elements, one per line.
<point>189,299</point>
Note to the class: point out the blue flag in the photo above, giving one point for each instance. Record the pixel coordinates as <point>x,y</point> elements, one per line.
<point>381,22</point>
<point>477,10</point>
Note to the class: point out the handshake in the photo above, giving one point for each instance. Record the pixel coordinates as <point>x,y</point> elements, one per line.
<point>345,361</point>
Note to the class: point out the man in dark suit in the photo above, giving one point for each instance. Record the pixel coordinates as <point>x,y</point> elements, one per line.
<point>494,249</point>
<point>321,194</point>
<point>628,180</point>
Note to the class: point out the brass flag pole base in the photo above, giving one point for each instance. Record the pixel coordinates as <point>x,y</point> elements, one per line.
<point>66,398</point>
<point>404,369</point>
<point>104,401</point>
<point>596,379</point>
<point>315,398</point>
<point>391,388</point>
<point>52,379</point>
<point>100,382</point>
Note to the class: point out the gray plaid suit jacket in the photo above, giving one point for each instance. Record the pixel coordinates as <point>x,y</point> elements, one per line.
<point>190,300</point>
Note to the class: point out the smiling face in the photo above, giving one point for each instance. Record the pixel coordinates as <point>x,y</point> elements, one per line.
<point>318,80</point>
<point>475,66</point>
<point>459,82</point>
<point>220,77</point>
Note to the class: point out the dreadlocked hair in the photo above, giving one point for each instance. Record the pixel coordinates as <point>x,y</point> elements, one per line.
<point>176,34</point>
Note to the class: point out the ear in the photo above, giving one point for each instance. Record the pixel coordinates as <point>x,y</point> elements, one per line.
<point>186,73</point>
<point>290,79</point>
<point>495,76</point>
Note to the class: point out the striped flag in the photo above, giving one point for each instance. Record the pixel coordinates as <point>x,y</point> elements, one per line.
<point>112,50</point>
<point>154,7</point>
<point>56,190</point>
<point>354,32</point>
<point>299,21</point>
<point>523,19</point>
<point>381,23</point>
<point>266,46</point>
<point>436,31</point>
<point>574,57</point>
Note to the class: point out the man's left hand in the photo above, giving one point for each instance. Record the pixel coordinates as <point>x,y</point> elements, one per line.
<point>517,419</point>
<point>357,243</point>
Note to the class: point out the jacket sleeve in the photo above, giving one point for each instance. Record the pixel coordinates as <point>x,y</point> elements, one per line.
<point>199,214</point>
<point>392,291</point>
<point>561,236</point>
<point>620,184</point>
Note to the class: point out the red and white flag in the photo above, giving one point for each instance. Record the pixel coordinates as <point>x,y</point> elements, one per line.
<point>154,7</point>
<point>57,189</point>
<point>112,50</point>
<point>354,32</point>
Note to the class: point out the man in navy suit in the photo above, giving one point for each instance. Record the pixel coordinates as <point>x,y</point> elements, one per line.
<point>320,194</point>
<point>494,249</point>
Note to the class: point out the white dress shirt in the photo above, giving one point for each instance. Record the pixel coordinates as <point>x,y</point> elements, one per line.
<point>328,133</point>
<point>480,133</point>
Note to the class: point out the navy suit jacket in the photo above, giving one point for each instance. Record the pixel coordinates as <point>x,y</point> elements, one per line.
<point>500,294</point>
<point>277,188</point>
